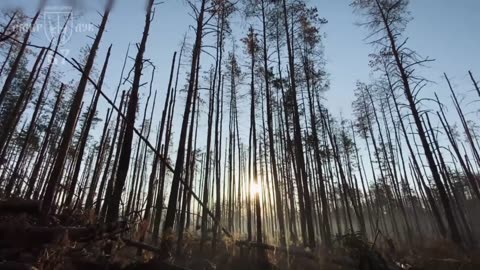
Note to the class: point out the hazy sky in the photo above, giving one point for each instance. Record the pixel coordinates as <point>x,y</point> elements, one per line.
<point>445,30</point>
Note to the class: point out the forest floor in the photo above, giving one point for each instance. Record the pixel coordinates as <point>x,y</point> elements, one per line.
<point>71,241</point>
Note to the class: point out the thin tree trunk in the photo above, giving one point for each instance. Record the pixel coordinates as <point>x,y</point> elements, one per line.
<point>85,131</point>
<point>72,115</point>
<point>124,160</point>
<point>7,85</point>
<point>179,164</point>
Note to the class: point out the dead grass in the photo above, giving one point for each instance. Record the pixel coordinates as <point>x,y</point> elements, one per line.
<point>349,252</point>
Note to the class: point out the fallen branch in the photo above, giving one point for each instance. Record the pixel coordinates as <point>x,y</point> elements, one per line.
<point>291,251</point>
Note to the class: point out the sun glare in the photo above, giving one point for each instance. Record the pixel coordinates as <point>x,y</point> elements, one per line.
<point>256,188</point>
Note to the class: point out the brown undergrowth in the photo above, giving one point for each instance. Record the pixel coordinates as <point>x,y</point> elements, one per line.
<point>75,240</point>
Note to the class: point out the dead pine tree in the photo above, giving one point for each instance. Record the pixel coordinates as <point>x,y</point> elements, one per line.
<point>38,163</point>
<point>386,19</point>
<point>309,33</point>
<point>85,131</point>
<point>13,70</point>
<point>118,123</point>
<point>121,126</point>
<point>189,169</point>
<point>6,34</point>
<point>7,59</point>
<point>153,173</point>
<point>69,129</point>
<point>470,137</point>
<point>124,159</point>
<point>179,164</point>
<point>103,146</point>
<point>251,43</point>
<point>475,83</point>
<point>165,126</point>
<point>264,10</point>
<point>206,175</point>
<point>137,163</point>
<point>23,99</point>
<point>309,235</point>
<point>234,73</point>
<point>221,10</point>
<point>414,158</point>
<point>15,115</point>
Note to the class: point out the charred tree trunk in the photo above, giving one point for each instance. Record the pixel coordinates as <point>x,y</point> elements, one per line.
<point>124,160</point>
<point>16,63</point>
<point>85,131</point>
<point>38,164</point>
<point>299,155</point>
<point>72,115</point>
<point>179,164</point>
<point>455,235</point>
<point>11,122</point>
<point>153,173</point>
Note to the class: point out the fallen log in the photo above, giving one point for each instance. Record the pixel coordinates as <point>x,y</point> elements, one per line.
<point>12,236</point>
<point>291,251</point>
<point>20,206</point>
<point>141,245</point>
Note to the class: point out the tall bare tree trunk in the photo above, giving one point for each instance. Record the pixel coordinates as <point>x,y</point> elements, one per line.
<point>7,85</point>
<point>299,155</point>
<point>179,164</point>
<point>273,159</point>
<point>455,235</point>
<point>124,160</point>
<point>85,132</point>
<point>72,115</point>
<point>38,164</point>
<point>11,122</point>
<point>153,173</point>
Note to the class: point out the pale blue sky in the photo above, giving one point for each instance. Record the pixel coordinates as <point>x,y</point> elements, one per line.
<point>445,30</point>
<point>441,29</point>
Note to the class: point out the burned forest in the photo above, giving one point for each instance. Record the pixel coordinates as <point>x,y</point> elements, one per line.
<point>239,134</point>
